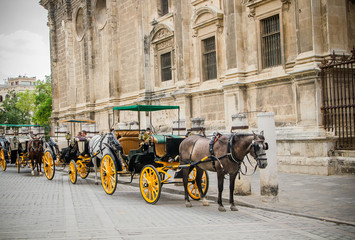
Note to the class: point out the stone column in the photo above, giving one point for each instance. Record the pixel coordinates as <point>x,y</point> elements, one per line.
<point>269,185</point>
<point>243,185</point>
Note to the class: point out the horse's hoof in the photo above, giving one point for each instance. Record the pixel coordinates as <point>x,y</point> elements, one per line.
<point>33,173</point>
<point>40,173</point>
<point>205,203</point>
<point>188,204</point>
<point>234,208</point>
<point>221,209</point>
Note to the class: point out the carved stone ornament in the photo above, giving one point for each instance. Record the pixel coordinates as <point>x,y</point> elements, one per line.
<point>205,16</point>
<point>164,44</point>
<point>161,32</point>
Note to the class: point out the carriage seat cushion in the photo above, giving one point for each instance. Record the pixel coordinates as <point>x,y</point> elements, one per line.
<point>83,146</point>
<point>160,143</point>
<point>129,143</point>
<point>162,138</point>
<point>126,133</point>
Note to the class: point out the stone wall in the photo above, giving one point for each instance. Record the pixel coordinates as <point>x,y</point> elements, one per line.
<point>106,53</point>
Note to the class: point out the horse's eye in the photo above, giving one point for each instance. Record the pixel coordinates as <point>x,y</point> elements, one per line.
<point>266,146</point>
<point>256,147</point>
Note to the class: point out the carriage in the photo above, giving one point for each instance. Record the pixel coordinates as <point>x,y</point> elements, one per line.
<point>140,152</point>
<point>75,154</point>
<point>17,145</point>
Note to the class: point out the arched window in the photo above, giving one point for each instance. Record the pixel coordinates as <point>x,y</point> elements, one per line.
<point>162,39</point>
<point>207,25</point>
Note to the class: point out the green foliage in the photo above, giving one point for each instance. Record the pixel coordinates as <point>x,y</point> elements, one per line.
<point>43,102</point>
<point>11,113</point>
<point>25,103</point>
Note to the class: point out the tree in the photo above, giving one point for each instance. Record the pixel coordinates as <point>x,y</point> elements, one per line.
<point>11,114</point>
<point>25,103</point>
<point>43,102</point>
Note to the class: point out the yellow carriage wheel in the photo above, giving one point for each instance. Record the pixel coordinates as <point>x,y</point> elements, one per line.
<point>72,172</point>
<point>18,164</point>
<point>192,188</point>
<point>3,160</point>
<point>83,171</point>
<point>108,174</point>
<point>150,184</point>
<point>48,165</point>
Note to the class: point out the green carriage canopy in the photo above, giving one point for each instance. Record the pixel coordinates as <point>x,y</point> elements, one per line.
<point>18,125</point>
<point>145,108</point>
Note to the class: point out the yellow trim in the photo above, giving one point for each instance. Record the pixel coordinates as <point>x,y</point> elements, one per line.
<point>149,185</point>
<point>48,165</point>
<point>108,175</point>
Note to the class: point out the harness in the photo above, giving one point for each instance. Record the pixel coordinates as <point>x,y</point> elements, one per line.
<point>230,154</point>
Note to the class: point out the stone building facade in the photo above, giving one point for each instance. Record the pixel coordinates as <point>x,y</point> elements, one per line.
<point>18,84</point>
<point>213,58</point>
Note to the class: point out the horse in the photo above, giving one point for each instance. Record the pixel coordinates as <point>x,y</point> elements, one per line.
<point>97,151</point>
<point>224,155</point>
<point>35,149</point>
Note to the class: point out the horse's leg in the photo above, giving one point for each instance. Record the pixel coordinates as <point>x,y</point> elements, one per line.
<point>185,176</point>
<point>40,165</point>
<point>32,166</point>
<point>220,178</point>
<point>232,178</point>
<point>199,173</point>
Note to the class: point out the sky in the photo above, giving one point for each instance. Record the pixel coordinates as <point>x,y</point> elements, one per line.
<point>24,40</point>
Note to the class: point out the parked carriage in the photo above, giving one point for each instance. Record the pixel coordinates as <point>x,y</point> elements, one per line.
<point>138,152</point>
<point>75,155</point>
<point>17,145</point>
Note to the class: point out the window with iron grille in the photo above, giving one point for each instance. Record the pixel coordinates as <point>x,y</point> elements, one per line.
<point>270,41</point>
<point>209,58</point>
<point>165,62</point>
<point>164,7</point>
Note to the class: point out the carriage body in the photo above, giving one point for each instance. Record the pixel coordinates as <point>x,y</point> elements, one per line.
<point>76,155</point>
<point>14,149</point>
<point>136,152</point>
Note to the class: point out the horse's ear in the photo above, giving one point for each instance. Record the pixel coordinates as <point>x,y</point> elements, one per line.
<point>262,133</point>
<point>254,134</point>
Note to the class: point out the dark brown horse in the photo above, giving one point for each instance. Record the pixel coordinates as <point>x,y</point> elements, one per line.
<point>35,150</point>
<point>224,155</point>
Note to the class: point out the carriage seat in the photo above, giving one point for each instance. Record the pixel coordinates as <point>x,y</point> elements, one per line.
<point>83,146</point>
<point>126,133</point>
<point>129,143</point>
<point>160,142</point>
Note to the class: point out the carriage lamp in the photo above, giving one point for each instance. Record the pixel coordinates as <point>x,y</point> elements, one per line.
<point>68,136</point>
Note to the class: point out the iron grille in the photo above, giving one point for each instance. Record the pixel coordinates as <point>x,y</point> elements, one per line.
<point>270,41</point>
<point>338,81</point>
<point>166,66</point>
<point>209,58</point>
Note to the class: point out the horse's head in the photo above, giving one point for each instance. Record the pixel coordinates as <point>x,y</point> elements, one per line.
<point>37,144</point>
<point>258,148</point>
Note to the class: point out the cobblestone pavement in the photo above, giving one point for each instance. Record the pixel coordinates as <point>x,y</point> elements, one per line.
<point>31,207</point>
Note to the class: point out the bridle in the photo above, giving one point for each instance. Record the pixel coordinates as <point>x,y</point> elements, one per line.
<point>36,148</point>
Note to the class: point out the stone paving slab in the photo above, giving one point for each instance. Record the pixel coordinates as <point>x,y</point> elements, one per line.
<point>35,208</point>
